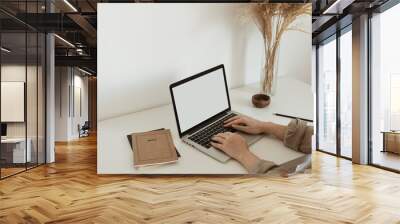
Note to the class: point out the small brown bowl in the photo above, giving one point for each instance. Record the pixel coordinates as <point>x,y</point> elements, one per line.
<point>261,100</point>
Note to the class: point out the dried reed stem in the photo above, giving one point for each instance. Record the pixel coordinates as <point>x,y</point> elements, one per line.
<point>273,19</point>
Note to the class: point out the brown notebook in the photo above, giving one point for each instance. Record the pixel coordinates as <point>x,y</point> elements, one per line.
<point>154,147</point>
<point>129,136</point>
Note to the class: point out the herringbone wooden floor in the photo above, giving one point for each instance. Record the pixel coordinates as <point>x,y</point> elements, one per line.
<point>69,191</point>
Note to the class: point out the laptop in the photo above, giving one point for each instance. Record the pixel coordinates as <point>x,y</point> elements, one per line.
<point>201,105</point>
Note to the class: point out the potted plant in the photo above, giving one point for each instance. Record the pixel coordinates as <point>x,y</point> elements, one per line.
<point>273,20</point>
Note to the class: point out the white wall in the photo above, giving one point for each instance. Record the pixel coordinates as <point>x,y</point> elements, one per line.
<point>61,103</point>
<point>80,82</point>
<point>66,121</point>
<point>296,50</point>
<point>142,48</point>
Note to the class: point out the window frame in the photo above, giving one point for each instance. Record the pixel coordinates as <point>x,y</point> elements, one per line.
<point>334,37</point>
<point>381,9</point>
<point>27,29</point>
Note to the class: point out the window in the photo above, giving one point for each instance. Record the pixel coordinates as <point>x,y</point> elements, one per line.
<point>385,89</point>
<point>335,94</point>
<point>327,96</point>
<point>346,93</point>
<point>22,73</point>
<point>395,102</point>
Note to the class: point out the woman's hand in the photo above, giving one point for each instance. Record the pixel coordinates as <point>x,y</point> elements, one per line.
<point>232,144</point>
<point>246,124</point>
<point>236,147</point>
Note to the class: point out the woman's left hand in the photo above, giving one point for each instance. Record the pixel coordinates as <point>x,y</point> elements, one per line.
<point>232,144</point>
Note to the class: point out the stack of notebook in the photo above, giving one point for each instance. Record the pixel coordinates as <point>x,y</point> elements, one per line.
<point>152,148</point>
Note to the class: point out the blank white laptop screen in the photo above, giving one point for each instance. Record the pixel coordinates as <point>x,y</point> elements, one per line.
<point>200,98</point>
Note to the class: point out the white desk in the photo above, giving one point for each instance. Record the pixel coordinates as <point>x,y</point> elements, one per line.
<point>114,155</point>
<point>19,155</point>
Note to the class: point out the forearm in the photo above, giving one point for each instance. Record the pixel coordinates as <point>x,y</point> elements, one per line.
<point>276,130</point>
<point>253,164</point>
<point>248,160</point>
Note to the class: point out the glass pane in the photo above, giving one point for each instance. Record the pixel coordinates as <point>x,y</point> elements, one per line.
<point>22,89</point>
<point>346,94</point>
<point>13,86</point>
<point>386,89</point>
<point>31,100</point>
<point>327,97</point>
<point>41,99</point>
<point>394,101</point>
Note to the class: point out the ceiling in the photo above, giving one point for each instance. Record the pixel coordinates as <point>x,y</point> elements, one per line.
<point>76,22</point>
<point>329,16</point>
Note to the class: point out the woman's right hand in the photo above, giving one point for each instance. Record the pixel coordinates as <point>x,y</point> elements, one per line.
<point>246,124</point>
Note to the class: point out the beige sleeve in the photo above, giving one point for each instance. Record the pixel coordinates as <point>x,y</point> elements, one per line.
<point>262,166</point>
<point>298,136</point>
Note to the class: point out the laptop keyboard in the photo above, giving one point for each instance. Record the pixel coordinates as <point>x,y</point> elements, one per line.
<point>204,136</point>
